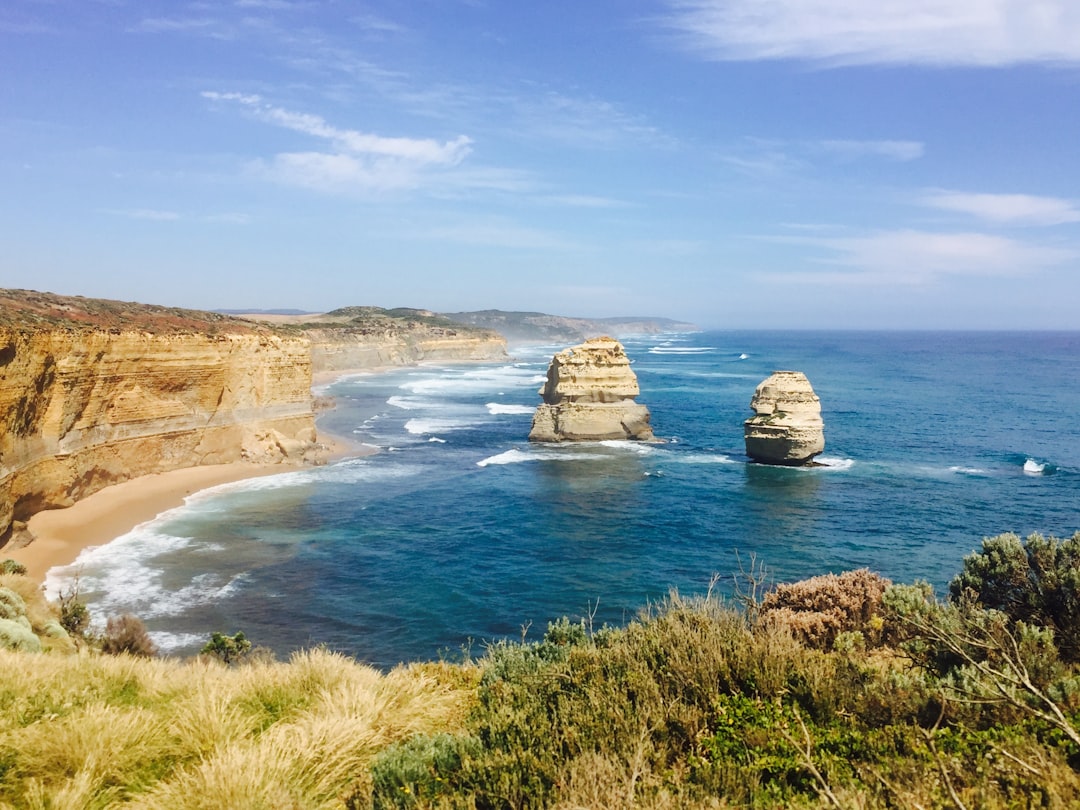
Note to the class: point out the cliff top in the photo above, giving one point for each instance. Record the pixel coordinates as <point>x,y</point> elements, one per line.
<point>539,327</point>
<point>29,310</point>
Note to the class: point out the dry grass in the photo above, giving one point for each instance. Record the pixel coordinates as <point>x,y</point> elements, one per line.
<point>101,731</point>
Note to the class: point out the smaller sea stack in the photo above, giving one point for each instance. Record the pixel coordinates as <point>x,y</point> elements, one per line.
<point>786,427</point>
<point>589,396</point>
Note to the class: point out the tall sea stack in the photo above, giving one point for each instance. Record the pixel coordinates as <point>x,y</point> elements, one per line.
<point>786,427</point>
<point>589,396</point>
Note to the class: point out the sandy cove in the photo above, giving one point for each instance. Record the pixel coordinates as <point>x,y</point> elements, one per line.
<point>60,535</point>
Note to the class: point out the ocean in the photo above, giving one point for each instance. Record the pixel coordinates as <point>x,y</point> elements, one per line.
<point>459,532</point>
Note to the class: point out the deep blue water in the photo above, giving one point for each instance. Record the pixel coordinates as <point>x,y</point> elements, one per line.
<point>459,531</point>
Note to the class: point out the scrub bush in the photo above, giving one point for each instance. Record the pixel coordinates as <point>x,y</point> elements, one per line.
<point>1035,581</point>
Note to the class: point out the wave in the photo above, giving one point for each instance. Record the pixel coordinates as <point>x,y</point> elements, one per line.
<point>1033,467</point>
<point>409,403</point>
<point>706,458</point>
<point>421,427</point>
<point>682,349</point>
<point>496,408</point>
<point>123,575</point>
<point>835,463</point>
<point>968,470</point>
<point>478,381</point>
<point>582,451</point>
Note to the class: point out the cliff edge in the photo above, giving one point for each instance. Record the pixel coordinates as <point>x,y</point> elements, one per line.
<point>96,392</point>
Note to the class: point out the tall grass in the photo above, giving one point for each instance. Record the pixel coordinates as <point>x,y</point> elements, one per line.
<point>97,731</point>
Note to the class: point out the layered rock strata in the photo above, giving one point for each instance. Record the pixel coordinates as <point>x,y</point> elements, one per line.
<point>786,427</point>
<point>93,393</point>
<point>589,396</point>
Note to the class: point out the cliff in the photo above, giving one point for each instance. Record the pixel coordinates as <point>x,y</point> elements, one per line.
<point>589,396</point>
<point>786,427</point>
<point>355,338</point>
<point>537,327</point>
<point>97,392</point>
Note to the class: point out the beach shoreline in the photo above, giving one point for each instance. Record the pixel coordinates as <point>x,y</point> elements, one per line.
<point>59,536</point>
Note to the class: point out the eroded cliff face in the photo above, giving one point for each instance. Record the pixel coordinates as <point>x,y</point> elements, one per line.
<point>349,350</point>
<point>90,397</point>
<point>589,396</point>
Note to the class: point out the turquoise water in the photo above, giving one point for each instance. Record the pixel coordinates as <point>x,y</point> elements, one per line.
<point>459,531</point>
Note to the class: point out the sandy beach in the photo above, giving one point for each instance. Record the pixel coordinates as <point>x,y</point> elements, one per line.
<point>61,534</point>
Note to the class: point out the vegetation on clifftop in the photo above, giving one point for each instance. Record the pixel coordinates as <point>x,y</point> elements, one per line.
<point>839,691</point>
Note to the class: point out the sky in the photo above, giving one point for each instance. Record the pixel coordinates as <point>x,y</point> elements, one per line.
<point>735,163</point>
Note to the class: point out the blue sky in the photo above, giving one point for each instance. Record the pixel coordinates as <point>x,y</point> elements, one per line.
<point>737,163</point>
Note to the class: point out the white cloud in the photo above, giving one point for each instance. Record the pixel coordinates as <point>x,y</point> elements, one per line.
<point>1006,209</point>
<point>904,257</point>
<point>848,32</point>
<point>360,161</point>
<point>892,150</point>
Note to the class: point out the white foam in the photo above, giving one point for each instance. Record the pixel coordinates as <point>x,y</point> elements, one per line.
<point>542,454</point>
<point>744,356</point>
<point>706,458</point>
<point>968,470</point>
<point>472,382</point>
<point>509,457</point>
<point>1033,467</point>
<point>681,349</point>
<point>835,463</point>
<point>496,408</point>
<point>633,447</point>
<point>437,440</point>
<point>408,403</point>
<point>167,642</point>
<point>421,427</point>
<point>123,573</point>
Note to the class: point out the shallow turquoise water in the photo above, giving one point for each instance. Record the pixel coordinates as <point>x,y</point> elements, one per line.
<point>459,531</point>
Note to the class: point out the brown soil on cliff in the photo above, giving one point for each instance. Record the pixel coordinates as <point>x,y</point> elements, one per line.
<point>28,310</point>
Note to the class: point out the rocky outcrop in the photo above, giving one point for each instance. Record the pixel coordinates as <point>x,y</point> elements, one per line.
<point>786,427</point>
<point>93,393</point>
<point>589,396</point>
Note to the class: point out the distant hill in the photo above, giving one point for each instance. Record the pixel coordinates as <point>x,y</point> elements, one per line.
<point>538,327</point>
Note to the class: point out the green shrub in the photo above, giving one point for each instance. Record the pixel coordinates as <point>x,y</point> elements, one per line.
<point>1035,581</point>
<point>227,649</point>
<point>12,606</point>
<point>10,566</point>
<point>420,770</point>
<point>16,634</point>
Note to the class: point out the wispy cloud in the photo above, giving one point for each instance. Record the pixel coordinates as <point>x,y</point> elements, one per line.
<point>359,161</point>
<point>583,122</point>
<point>501,233</point>
<point>152,214</point>
<point>906,257</point>
<point>852,32</point>
<point>163,25</point>
<point>891,150</point>
<point>1006,209</point>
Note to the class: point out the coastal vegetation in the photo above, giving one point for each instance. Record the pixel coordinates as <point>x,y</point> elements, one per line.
<point>839,691</point>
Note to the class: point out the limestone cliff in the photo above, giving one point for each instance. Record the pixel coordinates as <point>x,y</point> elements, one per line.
<point>589,396</point>
<point>96,392</point>
<point>355,338</point>
<point>786,427</point>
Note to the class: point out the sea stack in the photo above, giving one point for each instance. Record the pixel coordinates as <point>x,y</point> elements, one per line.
<point>589,396</point>
<point>786,427</point>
